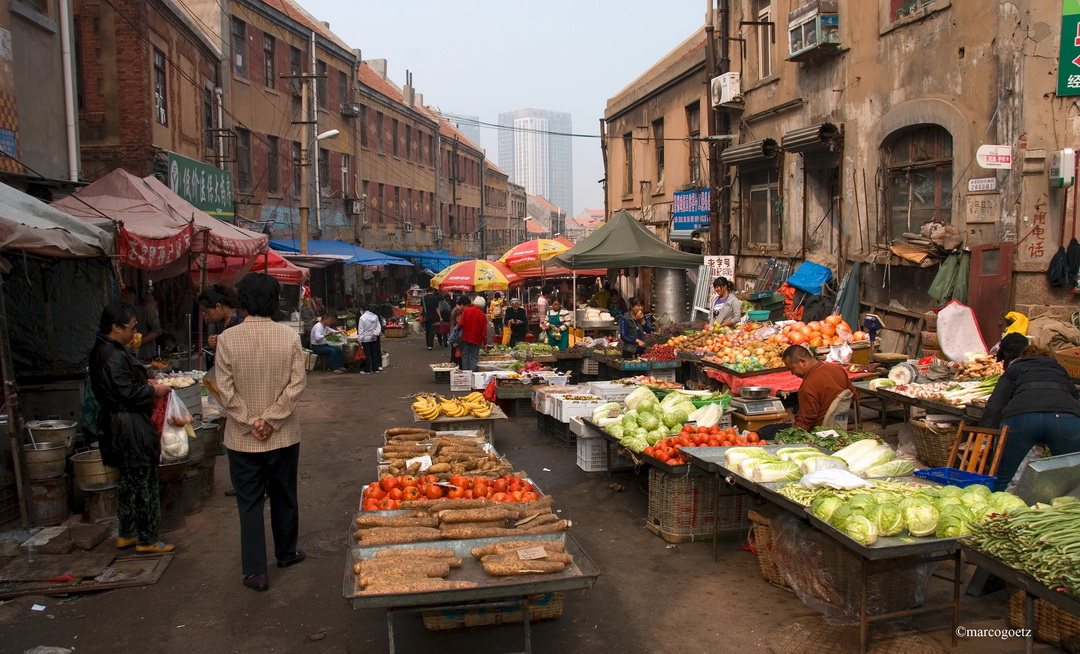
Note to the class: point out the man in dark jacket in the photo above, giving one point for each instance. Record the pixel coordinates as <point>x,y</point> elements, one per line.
<point>430,306</point>
<point>129,441</point>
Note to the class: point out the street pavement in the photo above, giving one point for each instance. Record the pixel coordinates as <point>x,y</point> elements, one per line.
<point>651,596</point>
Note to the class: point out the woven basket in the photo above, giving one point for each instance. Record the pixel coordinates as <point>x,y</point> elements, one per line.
<point>543,607</point>
<point>1052,625</point>
<point>932,445</point>
<point>761,536</point>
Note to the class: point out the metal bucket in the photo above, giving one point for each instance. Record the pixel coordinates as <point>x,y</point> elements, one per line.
<point>53,431</point>
<point>171,471</point>
<point>44,460</point>
<point>211,434</point>
<point>172,504</point>
<point>191,488</point>
<point>91,474</point>
<point>196,443</point>
<point>49,501</point>
<point>206,477</point>
<point>101,505</point>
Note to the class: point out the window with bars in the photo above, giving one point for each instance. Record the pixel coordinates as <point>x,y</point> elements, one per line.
<point>269,74</point>
<point>208,118</point>
<point>628,165</point>
<point>298,167</point>
<point>243,159</point>
<point>658,149</point>
<point>324,168</point>
<point>365,140</point>
<point>343,89</point>
<point>321,93</point>
<point>239,47</point>
<point>346,174</point>
<point>693,131</point>
<point>761,189</point>
<point>161,107</point>
<point>273,165</point>
<point>379,131</point>
<point>900,9</point>
<point>919,165</point>
<point>394,136</point>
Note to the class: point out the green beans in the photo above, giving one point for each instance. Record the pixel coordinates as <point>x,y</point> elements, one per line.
<point>1045,543</point>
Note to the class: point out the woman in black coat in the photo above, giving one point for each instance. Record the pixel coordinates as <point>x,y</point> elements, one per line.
<point>129,441</point>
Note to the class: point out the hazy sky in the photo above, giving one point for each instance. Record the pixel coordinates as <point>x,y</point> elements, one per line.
<point>483,57</point>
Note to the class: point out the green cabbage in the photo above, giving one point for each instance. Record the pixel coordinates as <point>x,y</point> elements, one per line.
<point>929,492</point>
<point>656,435</point>
<point>637,395</point>
<point>894,468</point>
<point>648,420</point>
<point>844,512</point>
<point>865,501</point>
<point>615,430</point>
<point>981,489</point>
<point>860,528</point>
<point>958,510</point>
<point>1064,499</point>
<point>647,405</point>
<point>952,525</point>
<point>676,417</point>
<point>943,502</point>
<point>824,506</point>
<point>920,520</point>
<point>950,491</point>
<point>634,443</point>
<point>1005,502</point>
<point>915,500</point>
<point>688,407</point>
<point>883,496</point>
<point>970,499</point>
<point>981,511</point>
<point>629,420</point>
<point>887,518</point>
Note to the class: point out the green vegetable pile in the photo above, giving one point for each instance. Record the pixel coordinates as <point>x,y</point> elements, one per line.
<point>1044,542</point>
<point>793,435</point>
<point>890,508</point>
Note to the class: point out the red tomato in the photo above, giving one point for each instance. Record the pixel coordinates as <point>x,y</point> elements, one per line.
<point>500,485</point>
<point>500,497</point>
<point>408,480</point>
<point>528,497</point>
<point>395,493</point>
<point>648,450</point>
<point>376,493</point>
<point>458,480</point>
<point>389,483</point>
<point>393,505</point>
<point>431,479</point>
<point>371,505</point>
<point>455,493</point>
<point>434,491</point>
<point>411,493</point>
<point>469,494</point>
<point>714,443</point>
<point>715,429</point>
<point>662,455</point>
<point>518,496</point>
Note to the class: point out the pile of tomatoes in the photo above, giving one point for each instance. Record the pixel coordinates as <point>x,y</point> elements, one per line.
<point>667,450</point>
<point>831,331</point>
<point>389,492</point>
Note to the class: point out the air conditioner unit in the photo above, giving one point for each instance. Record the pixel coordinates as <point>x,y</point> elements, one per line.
<point>351,110</point>
<point>725,89</point>
<point>437,234</point>
<point>408,226</point>
<point>356,207</point>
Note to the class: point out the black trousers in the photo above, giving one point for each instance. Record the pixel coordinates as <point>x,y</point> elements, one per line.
<point>138,504</point>
<point>429,332</point>
<point>373,362</point>
<point>273,473</point>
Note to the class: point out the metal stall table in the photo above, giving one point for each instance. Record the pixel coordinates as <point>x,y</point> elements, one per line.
<point>490,592</point>
<point>887,553</point>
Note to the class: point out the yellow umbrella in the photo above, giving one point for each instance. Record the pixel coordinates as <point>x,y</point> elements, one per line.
<point>531,254</point>
<point>475,275</point>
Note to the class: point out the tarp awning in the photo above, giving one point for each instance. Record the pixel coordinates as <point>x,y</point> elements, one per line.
<point>623,242</point>
<point>229,270</point>
<point>429,259</point>
<point>348,252</point>
<point>158,226</point>
<point>30,225</point>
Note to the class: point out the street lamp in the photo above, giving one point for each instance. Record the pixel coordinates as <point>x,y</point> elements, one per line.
<point>305,160</point>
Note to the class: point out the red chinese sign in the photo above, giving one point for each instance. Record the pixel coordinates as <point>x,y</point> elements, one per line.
<point>154,253</point>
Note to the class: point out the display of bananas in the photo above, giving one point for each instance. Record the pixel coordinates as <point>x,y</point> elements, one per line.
<point>429,407</point>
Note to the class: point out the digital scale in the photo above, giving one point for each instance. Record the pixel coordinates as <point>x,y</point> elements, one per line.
<point>768,406</point>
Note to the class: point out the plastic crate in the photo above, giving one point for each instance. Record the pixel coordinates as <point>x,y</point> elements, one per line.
<point>660,365</point>
<point>513,392</point>
<point>542,607</point>
<point>955,477</point>
<point>664,374</point>
<point>590,366</point>
<point>592,455</point>
<point>559,433</point>
<point>520,407</point>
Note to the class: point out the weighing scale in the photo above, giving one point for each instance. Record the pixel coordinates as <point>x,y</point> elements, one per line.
<point>754,408</point>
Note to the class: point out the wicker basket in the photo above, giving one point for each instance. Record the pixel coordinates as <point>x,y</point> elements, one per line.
<point>394,332</point>
<point>683,508</point>
<point>543,607</point>
<point>933,445</point>
<point>761,535</point>
<point>1052,625</point>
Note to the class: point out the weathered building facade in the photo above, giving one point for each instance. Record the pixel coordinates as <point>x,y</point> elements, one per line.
<point>855,123</point>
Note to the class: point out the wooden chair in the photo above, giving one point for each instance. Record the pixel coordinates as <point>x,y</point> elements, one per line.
<point>981,447</point>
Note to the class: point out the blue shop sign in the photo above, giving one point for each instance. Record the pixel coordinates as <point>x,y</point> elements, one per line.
<point>690,210</point>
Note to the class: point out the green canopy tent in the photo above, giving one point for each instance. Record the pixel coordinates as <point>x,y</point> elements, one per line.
<point>623,243</point>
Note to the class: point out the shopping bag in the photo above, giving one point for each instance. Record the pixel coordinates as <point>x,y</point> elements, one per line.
<point>174,433</point>
<point>158,416</point>
<point>360,355</point>
<point>489,392</point>
<point>444,327</point>
<point>506,336</point>
<point>455,335</point>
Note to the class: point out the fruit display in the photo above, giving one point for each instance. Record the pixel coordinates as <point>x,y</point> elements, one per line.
<point>660,353</point>
<point>430,407</point>
<point>647,380</point>
<point>766,356</point>
<point>722,342</point>
<point>667,449</point>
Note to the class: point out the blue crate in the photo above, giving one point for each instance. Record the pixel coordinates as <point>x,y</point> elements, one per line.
<point>955,477</point>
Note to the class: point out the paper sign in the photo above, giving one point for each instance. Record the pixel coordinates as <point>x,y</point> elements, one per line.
<point>425,462</point>
<point>530,553</point>
<point>829,433</point>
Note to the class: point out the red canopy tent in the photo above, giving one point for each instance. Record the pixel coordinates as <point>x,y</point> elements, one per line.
<point>230,269</point>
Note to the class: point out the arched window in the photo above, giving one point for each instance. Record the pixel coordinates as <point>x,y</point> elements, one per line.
<point>918,163</point>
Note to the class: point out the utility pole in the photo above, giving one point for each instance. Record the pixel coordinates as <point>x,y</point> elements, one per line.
<point>719,122</point>
<point>307,141</point>
<point>725,128</point>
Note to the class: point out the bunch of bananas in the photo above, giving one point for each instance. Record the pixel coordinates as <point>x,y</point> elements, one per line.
<point>474,404</point>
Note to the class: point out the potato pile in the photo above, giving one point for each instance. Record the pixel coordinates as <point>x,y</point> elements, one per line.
<point>508,558</point>
<point>451,454</point>
<point>407,571</point>
<point>431,520</point>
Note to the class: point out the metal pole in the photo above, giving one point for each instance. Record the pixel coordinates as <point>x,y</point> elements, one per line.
<point>306,142</point>
<point>313,104</point>
<point>714,145</point>
<point>11,406</point>
<point>725,128</point>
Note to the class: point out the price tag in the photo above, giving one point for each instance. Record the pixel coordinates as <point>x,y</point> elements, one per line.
<point>531,553</point>
<point>828,433</point>
<point>425,462</point>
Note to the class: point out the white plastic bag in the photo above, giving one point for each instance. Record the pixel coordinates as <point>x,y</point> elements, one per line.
<point>833,478</point>
<point>839,354</point>
<point>174,435</point>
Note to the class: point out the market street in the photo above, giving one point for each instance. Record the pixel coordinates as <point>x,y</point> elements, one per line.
<point>651,596</point>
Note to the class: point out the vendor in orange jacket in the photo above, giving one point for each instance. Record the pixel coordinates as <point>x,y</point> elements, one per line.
<point>822,382</point>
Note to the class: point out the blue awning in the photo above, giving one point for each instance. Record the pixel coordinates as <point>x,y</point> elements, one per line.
<point>350,253</point>
<point>430,259</point>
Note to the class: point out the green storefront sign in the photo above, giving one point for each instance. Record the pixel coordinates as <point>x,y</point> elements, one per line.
<point>1069,58</point>
<point>208,188</point>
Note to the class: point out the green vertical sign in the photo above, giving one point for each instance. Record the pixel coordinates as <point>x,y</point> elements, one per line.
<point>1069,58</point>
<point>208,188</point>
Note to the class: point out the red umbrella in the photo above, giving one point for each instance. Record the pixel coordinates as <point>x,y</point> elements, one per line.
<point>531,254</point>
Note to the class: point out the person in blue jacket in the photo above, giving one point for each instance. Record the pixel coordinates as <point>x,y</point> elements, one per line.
<point>633,327</point>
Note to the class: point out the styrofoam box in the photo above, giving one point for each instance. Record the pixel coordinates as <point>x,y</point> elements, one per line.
<point>577,408</point>
<point>577,427</point>
<point>460,380</point>
<point>480,380</point>
<point>556,380</point>
<point>554,395</point>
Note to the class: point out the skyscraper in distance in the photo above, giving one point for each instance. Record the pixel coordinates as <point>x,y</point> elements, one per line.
<point>466,124</point>
<point>536,150</point>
